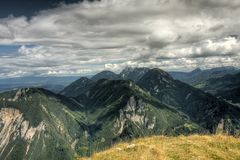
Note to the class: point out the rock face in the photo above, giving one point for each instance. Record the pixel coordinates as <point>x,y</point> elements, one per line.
<point>14,126</point>
<point>136,113</point>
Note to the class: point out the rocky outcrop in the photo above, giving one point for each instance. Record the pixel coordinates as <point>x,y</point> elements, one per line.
<point>136,112</point>
<point>14,126</point>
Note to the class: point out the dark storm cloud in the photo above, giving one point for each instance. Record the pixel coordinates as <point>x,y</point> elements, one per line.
<point>29,8</point>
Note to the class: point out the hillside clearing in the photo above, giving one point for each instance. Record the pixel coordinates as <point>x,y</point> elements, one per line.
<point>219,147</point>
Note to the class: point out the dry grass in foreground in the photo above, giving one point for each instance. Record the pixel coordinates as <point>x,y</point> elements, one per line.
<point>193,147</point>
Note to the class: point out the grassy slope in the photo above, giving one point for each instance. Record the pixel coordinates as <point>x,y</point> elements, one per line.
<point>182,147</point>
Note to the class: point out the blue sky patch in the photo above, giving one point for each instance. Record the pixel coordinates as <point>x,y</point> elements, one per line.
<point>6,50</point>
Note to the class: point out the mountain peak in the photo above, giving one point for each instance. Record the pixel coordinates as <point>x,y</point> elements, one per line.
<point>105,91</point>
<point>131,69</point>
<point>128,69</point>
<point>83,79</point>
<point>197,70</point>
<point>133,73</point>
<point>77,87</point>
<point>156,80</point>
<point>105,75</point>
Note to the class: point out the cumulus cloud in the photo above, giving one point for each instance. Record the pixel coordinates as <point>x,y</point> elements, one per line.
<point>87,37</point>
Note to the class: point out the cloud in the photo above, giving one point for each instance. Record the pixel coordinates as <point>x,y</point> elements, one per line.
<point>110,34</point>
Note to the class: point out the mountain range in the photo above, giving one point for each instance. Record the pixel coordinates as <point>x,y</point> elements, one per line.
<point>222,82</point>
<point>54,84</point>
<point>198,77</point>
<point>92,114</point>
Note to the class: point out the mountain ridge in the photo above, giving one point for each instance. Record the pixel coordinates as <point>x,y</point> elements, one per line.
<point>190,100</point>
<point>197,77</point>
<point>37,118</point>
<point>92,115</point>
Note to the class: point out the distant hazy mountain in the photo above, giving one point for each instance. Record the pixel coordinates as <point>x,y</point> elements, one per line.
<point>198,77</point>
<point>185,75</point>
<point>54,84</point>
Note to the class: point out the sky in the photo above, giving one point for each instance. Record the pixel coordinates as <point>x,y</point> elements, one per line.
<point>84,37</point>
